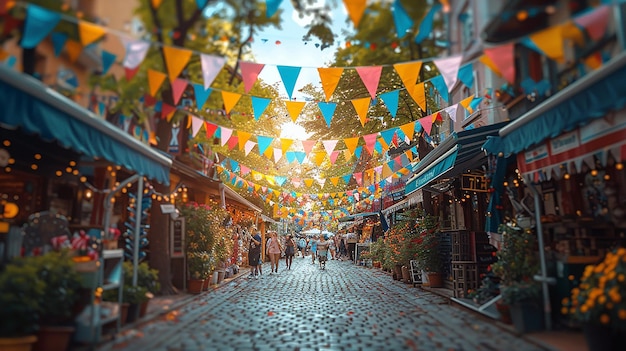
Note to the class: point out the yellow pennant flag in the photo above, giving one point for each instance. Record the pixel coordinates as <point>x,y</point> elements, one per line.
<point>361,106</point>
<point>175,59</point>
<point>308,182</point>
<point>355,9</point>
<point>285,144</point>
<point>257,187</point>
<point>89,32</point>
<point>550,42</point>
<point>243,138</point>
<point>334,180</point>
<point>409,155</point>
<point>294,108</point>
<point>269,153</point>
<point>74,49</point>
<point>408,72</point>
<point>408,129</point>
<point>156,3</point>
<point>485,60</point>
<point>466,102</point>
<point>418,94</point>
<point>318,158</point>
<point>347,154</point>
<point>230,100</point>
<point>330,78</point>
<point>571,31</point>
<point>155,79</point>
<point>387,171</point>
<point>383,144</point>
<point>351,144</point>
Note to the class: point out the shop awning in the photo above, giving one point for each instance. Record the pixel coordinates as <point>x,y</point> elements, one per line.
<point>30,105</point>
<point>590,97</point>
<point>459,153</point>
<point>414,198</point>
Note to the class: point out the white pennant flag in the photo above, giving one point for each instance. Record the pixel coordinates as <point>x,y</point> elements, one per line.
<point>278,153</point>
<point>451,110</point>
<point>249,146</point>
<point>196,124</point>
<point>211,67</point>
<point>226,134</point>
<point>449,69</point>
<point>329,145</point>
<point>136,51</point>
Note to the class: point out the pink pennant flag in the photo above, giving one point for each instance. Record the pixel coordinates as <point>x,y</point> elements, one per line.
<point>359,178</point>
<point>502,58</point>
<point>278,153</point>
<point>226,134</point>
<point>370,142</point>
<point>378,170</point>
<point>250,73</point>
<point>196,124</point>
<point>244,169</point>
<point>296,182</point>
<point>595,22</point>
<point>451,110</point>
<point>333,157</point>
<point>427,123</point>
<point>178,88</point>
<point>370,75</point>
<point>232,142</point>
<point>308,145</point>
<point>211,67</point>
<point>249,146</point>
<point>329,145</point>
<point>449,69</point>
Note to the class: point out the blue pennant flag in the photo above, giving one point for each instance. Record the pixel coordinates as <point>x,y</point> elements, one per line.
<point>427,24</point>
<point>280,180</point>
<point>300,156</point>
<point>39,23</point>
<point>234,165</point>
<point>391,101</point>
<point>271,6</point>
<point>58,42</point>
<point>264,142</point>
<point>259,105</point>
<point>378,148</point>
<point>291,156</point>
<point>107,61</point>
<point>346,178</point>
<point>201,94</point>
<point>466,75</point>
<point>201,3</point>
<point>357,152</point>
<point>401,19</point>
<point>328,110</point>
<point>289,76</point>
<point>387,135</point>
<point>441,86</point>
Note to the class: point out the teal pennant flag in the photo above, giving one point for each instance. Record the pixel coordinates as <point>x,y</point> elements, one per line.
<point>388,134</point>
<point>289,76</point>
<point>39,23</point>
<point>107,61</point>
<point>291,156</point>
<point>271,6</point>
<point>466,75</point>
<point>391,101</point>
<point>264,143</point>
<point>259,105</point>
<point>427,24</point>
<point>441,87</point>
<point>201,95</point>
<point>58,42</point>
<point>328,110</point>
<point>300,156</point>
<point>401,19</point>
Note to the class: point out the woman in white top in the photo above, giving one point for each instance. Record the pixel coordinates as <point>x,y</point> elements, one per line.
<point>274,248</point>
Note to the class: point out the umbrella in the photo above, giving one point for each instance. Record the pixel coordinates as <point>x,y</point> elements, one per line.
<point>310,232</point>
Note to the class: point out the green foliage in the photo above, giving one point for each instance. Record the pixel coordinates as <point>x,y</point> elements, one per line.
<point>148,278</point>
<point>427,243</point>
<point>21,296</point>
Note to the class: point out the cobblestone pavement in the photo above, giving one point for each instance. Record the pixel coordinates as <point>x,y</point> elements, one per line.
<point>344,307</point>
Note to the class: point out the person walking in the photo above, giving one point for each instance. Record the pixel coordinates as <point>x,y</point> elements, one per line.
<point>274,248</point>
<point>290,250</point>
<point>313,245</point>
<point>302,246</point>
<point>254,255</point>
<point>332,248</point>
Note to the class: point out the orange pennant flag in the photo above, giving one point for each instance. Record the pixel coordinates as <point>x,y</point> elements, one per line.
<point>243,138</point>
<point>155,79</point>
<point>361,106</point>
<point>294,108</point>
<point>418,94</point>
<point>74,49</point>
<point>351,144</point>
<point>485,60</point>
<point>386,170</point>
<point>269,153</point>
<point>408,72</point>
<point>594,61</point>
<point>408,129</point>
<point>308,182</point>
<point>318,158</point>
<point>550,42</point>
<point>355,9</point>
<point>466,102</point>
<point>175,59</point>
<point>330,78</point>
<point>334,180</point>
<point>230,100</point>
<point>383,144</point>
<point>285,144</point>
<point>89,32</point>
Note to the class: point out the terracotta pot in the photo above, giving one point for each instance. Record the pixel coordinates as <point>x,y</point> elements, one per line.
<point>406,275</point>
<point>397,272</point>
<point>24,343</point>
<point>435,279</point>
<point>194,286</point>
<point>53,338</point>
<point>143,308</point>
<point>377,264</point>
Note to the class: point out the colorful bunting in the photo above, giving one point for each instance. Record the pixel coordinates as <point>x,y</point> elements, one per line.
<point>178,88</point>
<point>259,105</point>
<point>401,19</point>
<point>328,110</point>
<point>243,138</point>
<point>370,77</point>
<point>249,146</point>
<point>361,106</point>
<point>175,59</point>
<point>289,76</point>
<point>155,79</point>
<point>427,123</point>
<point>391,100</point>
<point>595,22</point>
<point>271,6</point>
<point>211,67</point>
<point>89,32</point>
<point>200,93</point>
<point>329,146</point>
<point>308,145</point>
<point>107,60</point>
<point>449,69</point>
<point>230,100</point>
<point>285,144</point>
<point>503,58</point>
<point>211,128</point>
<point>136,51</point>
<point>426,27</point>
<point>330,78</point>
<point>225,134</point>
<point>39,23</point>
<point>550,42</point>
<point>250,73</point>
<point>441,87</point>
<point>351,145</point>
<point>58,42</point>
<point>370,140</point>
<point>466,75</point>
<point>294,108</point>
<point>196,125</point>
<point>418,94</point>
<point>451,111</point>
<point>264,143</point>
<point>355,9</point>
<point>74,49</point>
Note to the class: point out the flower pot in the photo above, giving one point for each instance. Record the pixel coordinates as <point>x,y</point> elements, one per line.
<point>397,272</point>
<point>435,280</point>
<point>194,286</point>
<point>143,308</point>
<point>24,343</point>
<point>220,276</point>
<point>505,312</point>
<point>53,338</point>
<point>377,264</point>
<point>406,275</point>
<point>527,317</point>
<point>124,312</point>
<point>603,338</point>
<point>133,313</point>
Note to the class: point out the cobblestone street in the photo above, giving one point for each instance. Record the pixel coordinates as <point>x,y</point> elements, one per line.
<point>344,307</point>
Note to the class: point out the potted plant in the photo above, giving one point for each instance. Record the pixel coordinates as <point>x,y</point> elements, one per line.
<point>427,250</point>
<point>197,270</point>
<point>517,264</point>
<point>148,278</point>
<point>599,302</point>
<point>21,295</point>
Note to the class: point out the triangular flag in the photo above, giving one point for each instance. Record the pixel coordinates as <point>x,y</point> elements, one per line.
<point>211,128</point>
<point>318,158</point>
<point>330,78</point>
<point>308,182</point>
<point>408,129</point>
<point>211,67</point>
<point>355,9</point>
<point>328,110</point>
<point>156,3</point>
<point>107,60</point>
<point>264,143</point>
<point>451,111</point>
<point>225,134</point>
<point>232,142</point>
<point>334,180</point>
<point>155,79</point>
<point>466,102</point>
<point>89,32</point>
<point>167,111</point>
<point>230,100</point>
<point>466,75</point>
<point>289,76</point>
<point>388,135</point>
<point>401,19</point>
<point>370,76</point>
<point>370,140</point>
<point>58,42</point>
<point>333,157</point>
<point>178,88</point>
<point>175,59</point>
<point>243,138</point>
<point>300,156</point>
<point>441,87</point>
<point>427,123</point>
<point>201,94</point>
<point>249,146</point>
<point>408,72</point>
<point>361,106</point>
<point>426,27</point>
<point>244,169</point>
<point>351,144</point>
<point>449,69</point>
<point>595,22</point>
<point>39,23</point>
<point>136,51</point>
<point>550,42</point>
<point>196,124</point>
<point>259,105</point>
<point>285,144</point>
<point>250,73</point>
<point>308,145</point>
<point>503,57</point>
<point>391,100</point>
<point>74,49</point>
<point>271,6</point>
<point>329,145</point>
<point>418,94</point>
<point>485,60</point>
<point>201,4</point>
<point>277,155</point>
<point>294,108</point>
<point>346,178</point>
<point>358,177</point>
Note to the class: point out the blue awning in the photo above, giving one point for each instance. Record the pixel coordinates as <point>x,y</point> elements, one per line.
<point>433,172</point>
<point>29,104</point>
<point>589,98</point>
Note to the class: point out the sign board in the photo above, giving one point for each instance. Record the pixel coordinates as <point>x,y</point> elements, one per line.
<point>177,237</point>
<point>168,208</point>
<point>416,273</point>
<point>474,183</point>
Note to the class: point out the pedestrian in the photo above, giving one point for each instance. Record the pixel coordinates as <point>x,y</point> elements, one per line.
<point>332,248</point>
<point>290,250</point>
<point>313,246</point>
<point>254,255</point>
<point>274,248</point>
<point>302,246</point>
<point>322,250</point>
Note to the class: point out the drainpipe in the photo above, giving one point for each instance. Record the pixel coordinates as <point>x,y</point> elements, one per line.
<point>138,211</point>
<point>543,278</point>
